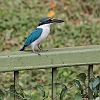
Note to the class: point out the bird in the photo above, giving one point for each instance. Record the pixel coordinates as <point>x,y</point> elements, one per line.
<point>40,33</point>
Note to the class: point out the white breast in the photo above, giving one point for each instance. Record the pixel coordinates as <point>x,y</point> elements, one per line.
<point>45,33</point>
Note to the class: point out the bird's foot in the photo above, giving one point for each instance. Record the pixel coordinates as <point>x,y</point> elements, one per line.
<point>39,47</point>
<point>44,50</point>
<point>36,52</point>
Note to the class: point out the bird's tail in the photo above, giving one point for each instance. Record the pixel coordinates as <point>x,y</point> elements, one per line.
<point>22,48</point>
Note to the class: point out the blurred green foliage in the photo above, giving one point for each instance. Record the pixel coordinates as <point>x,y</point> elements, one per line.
<point>19,17</point>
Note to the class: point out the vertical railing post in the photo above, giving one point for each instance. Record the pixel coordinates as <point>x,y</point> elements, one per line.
<point>16,83</point>
<point>54,80</point>
<point>90,75</point>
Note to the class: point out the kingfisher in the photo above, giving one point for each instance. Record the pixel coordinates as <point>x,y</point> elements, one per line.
<point>40,33</point>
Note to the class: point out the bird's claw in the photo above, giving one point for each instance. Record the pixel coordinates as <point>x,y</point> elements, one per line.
<point>36,52</point>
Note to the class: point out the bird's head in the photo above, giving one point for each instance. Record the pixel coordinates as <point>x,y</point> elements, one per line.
<point>48,20</point>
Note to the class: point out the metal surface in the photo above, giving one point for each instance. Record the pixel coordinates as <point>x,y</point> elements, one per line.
<point>54,81</point>
<point>64,57</point>
<point>55,58</point>
<point>90,76</point>
<point>16,84</point>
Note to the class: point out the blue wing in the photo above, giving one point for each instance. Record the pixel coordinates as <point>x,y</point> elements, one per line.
<point>32,37</point>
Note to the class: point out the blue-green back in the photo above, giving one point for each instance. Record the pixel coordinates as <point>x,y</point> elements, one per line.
<point>35,34</point>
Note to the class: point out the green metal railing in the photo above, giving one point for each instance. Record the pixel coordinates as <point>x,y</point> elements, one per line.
<point>55,58</point>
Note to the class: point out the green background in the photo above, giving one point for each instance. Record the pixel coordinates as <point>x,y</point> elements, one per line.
<point>19,17</point>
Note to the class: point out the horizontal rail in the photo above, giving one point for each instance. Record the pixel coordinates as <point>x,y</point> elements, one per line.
<point>69,56</point>
<point>55,58</point>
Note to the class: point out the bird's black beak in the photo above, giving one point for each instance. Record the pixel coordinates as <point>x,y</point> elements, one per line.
<point>56,21</point>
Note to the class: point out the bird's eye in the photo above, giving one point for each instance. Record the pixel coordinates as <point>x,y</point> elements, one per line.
<point>49,20</point>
